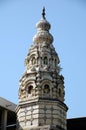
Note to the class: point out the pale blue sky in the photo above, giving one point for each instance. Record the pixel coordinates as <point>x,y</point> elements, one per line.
<point>68,27</point>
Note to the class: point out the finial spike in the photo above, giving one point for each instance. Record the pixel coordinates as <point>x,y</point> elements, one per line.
<point>43,13</point>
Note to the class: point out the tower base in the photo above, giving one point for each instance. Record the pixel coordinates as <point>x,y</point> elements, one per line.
<point>47,127</point>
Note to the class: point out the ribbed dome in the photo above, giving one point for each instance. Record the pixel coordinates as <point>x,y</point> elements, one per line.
<point>43,34</point>
<point>43,24</point>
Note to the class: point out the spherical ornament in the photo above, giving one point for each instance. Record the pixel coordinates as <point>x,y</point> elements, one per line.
<point>43,34</point>
<point>43,25</point>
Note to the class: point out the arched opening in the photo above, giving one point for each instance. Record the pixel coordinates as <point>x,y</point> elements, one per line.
<point>30,89</point>
<point>45,60</point>
<point>33,61</point>
<point>46,89</point>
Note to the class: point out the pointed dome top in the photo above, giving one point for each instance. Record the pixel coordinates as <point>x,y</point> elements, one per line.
<point>43,23</point>
<point>43,27</point>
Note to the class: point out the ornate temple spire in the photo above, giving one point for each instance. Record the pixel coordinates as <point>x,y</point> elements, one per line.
<point>41,92</point>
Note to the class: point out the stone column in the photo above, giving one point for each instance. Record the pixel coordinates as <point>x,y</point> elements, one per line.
<point>4,120</point>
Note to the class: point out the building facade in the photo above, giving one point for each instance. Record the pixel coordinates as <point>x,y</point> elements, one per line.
<point>7,115</point>
<point>41,92</point>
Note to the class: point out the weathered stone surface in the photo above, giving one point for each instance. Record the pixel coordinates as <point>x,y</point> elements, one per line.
<point>41,92</point>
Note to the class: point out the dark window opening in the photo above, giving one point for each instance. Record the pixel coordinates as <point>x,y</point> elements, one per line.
<point>45,60</point>
<point>46,89</point>
<point>30,89</point>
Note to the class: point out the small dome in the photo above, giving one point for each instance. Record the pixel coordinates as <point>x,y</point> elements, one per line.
<point>43,36</point>
<point>43,24</point>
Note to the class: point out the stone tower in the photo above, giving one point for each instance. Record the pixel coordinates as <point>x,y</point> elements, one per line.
<point>41,93</point>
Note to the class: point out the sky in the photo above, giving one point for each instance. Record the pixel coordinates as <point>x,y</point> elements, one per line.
<point>68,27</point>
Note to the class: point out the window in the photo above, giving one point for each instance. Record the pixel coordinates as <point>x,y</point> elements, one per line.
<point>33,60</point>
<point>45,60</point>
<point>30,89</point>
<point>46,89</point>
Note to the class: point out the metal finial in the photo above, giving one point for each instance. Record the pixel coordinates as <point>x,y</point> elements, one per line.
<point>43,13</point>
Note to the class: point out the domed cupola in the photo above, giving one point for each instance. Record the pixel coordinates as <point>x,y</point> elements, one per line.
<point>43,34</point>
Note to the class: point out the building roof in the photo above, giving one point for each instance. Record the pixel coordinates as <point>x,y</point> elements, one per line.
<point>76,123</point>
<point>4,103</point>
